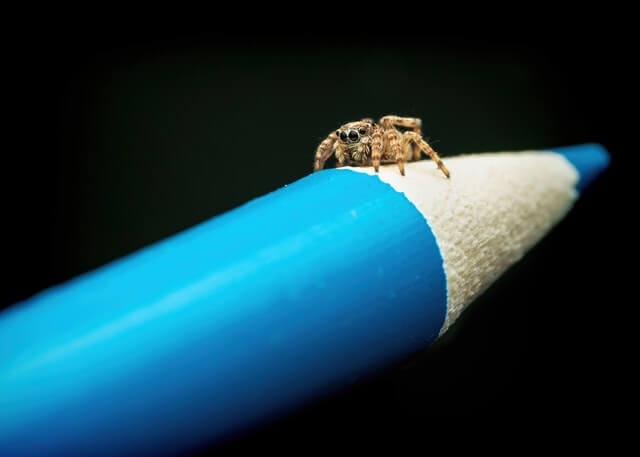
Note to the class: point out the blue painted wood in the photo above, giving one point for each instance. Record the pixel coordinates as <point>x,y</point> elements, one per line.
<point>239,318</point>
<point>590,159</point>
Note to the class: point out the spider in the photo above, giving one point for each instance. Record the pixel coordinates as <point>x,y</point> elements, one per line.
<point>365,143</point>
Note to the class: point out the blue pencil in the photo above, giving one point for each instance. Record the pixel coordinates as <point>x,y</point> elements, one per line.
<point>261,309</point>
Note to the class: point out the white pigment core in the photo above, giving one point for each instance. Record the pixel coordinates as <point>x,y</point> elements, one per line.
<point>491,211</point>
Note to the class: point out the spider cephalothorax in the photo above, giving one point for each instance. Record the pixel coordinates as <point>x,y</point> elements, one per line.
<point>365,143</point>
<point>354,142</point>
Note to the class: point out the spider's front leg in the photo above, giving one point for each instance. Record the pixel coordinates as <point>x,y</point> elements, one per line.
<point>325,149</point>
<point>424,146</point>
<point>392,137</point>
<point>376,147</point>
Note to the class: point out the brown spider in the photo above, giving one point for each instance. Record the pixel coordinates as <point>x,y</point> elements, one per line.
<point>365,143</point>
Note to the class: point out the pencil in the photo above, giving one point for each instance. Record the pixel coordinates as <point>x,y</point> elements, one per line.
<point>263,308</point>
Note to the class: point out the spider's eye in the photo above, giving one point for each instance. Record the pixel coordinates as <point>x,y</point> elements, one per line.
<point>343,136</point>
<point>353,135</point>
<point>338,132</point>
<point>362,130</point>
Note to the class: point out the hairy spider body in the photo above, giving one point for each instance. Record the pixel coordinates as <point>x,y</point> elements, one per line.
<point>365,143</point>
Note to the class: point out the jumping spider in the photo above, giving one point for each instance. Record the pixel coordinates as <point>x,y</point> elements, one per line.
<point>365,143</point>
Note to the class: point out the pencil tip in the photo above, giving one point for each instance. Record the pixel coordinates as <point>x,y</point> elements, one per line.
<point>590,160</point>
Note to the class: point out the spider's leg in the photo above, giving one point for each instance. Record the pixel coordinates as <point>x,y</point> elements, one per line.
<point>413,123</point>
<point>424,146</point>
<point>376,147</point>
<point>392,136</point>
<point>416,149</point>
<point>339,150</point>
<point>324,151</point>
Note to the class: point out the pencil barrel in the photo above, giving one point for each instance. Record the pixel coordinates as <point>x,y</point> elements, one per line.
<point>242,317</point>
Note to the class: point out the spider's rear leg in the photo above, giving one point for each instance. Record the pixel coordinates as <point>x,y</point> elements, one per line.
<point>413,123</point>
<point>424,146</point>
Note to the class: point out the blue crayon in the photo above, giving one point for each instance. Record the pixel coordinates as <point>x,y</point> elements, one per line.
<point>240,318</point>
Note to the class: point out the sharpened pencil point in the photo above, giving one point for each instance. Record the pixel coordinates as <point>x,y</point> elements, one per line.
<point>589,159</point>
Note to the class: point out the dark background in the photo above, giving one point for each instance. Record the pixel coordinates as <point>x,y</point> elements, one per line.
<point>121,136</point>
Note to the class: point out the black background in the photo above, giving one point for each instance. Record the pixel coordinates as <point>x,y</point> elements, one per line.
<point>123,135</point>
